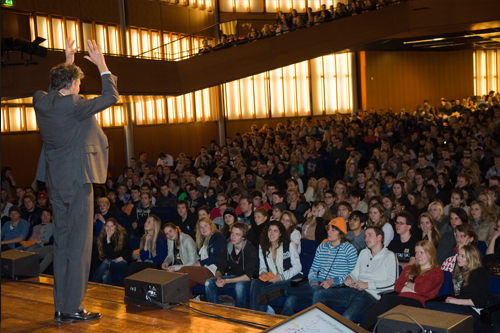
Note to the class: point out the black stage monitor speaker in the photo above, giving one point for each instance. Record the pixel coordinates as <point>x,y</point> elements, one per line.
<point>20,263</point>
<point>431,321</point>
<point>158,287</point>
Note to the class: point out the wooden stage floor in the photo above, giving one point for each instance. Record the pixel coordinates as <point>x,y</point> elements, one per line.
<point>27,306</point>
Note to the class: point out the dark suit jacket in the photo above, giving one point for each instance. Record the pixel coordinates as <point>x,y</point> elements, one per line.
<point>75,149</point>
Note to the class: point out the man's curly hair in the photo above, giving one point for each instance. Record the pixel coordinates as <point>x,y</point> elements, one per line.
<point>63,75</point>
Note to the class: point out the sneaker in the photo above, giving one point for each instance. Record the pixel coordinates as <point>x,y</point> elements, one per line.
<point>271,296</point>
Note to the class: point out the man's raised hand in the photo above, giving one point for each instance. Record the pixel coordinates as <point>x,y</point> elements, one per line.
<point>95,56</point>
<point>69,51</point>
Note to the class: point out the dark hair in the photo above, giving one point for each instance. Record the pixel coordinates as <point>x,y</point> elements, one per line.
<point>265,244</point>
<point>136,188</point>
<point>346,204</point>
<point>410,219</point>
<point>461,214</point>
<point>363,218</point>
<point>378,231</point>
<point>242,226</point>
<point>183,202</point>
<point>63,75</point>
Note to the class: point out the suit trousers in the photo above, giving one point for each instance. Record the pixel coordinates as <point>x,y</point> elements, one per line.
<point>73,222</point>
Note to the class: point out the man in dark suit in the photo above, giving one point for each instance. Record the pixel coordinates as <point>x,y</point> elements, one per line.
<point>74,155</point>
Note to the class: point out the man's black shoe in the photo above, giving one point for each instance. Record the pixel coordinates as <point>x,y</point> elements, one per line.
<point>57,316</point>
<point>81,316</point>
<point>271,296</point>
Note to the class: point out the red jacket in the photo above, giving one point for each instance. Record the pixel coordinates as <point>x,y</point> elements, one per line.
<point>426,286</point>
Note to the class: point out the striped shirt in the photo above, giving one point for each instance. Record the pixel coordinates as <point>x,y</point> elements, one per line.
<point>333,263</point>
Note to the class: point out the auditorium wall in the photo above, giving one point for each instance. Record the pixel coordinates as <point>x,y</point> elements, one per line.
<point>404,79</point>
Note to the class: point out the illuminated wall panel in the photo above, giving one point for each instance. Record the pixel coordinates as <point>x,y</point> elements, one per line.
<point>198,104</point>
<point>486,68</point>
<point>134,42</point>
<point>289,91</point>
<point>276,88</point>
<point>101,38</point>
<point>72,31</point>
<point>247,98</point>
<point>146,44</point>
<point>150,111</point>
<point>119,117</point>
<point>261,95</point>
<point>5,119</point>
<point>16,121</point>
<point>42,29</point>
<point>208,106</point>
<point>231,100</point>
<point>58,33</point>
<point>160,110</point>
<point>87,33</point>
<point>167,49</point>
<point>30,119</point>
<point>330,72</point>
<point>189,102</point>
<point>179,102</point>
<point>317,86</point>
<point>113,40</point>
<point>171,110</point>
<point>176,48</point>
<point>302,83</point>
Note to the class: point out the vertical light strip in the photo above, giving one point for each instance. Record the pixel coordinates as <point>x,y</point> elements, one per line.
<point>323,102</point>
<point>240,111</point>
<point>253,97</point>
<point>348,81</point>
<point>267,87</point>
<point>336,83</point>
<point>494,71</point>
<point>475,73</point>
<point>282,86</point>
<point>295,92</point>
<point>32,30</point>
<point>309,87</point>
<point>22,115</point>
<point>5,119</point>
<point>483,70</point>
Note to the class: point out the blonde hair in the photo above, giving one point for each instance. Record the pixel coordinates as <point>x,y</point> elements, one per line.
<point>436,235</point>
<point>430,251</point>
<point>204,240</point>
<point>473,262</point>
<point>383,217</point>
<point>440,207</point>
<point>156,233</point>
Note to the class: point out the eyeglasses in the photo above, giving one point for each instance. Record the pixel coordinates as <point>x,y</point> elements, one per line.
<point>400,223</point>
<point>328,197</point>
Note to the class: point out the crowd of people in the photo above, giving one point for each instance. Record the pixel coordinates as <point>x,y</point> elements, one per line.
<point>372,191</point>
<point>293,21</point>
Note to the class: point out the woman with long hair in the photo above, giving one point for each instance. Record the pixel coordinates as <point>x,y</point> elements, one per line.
<point>279,263</point>
<point>153,247</point>
<point>483,221</point>
<point>372,190</point>
<point>290,222</point>
<point>457,200</point>
<point>470,284</point>
<point>181,249</point>
<point>316,192</point>
<point>314,227</point>
<point>209,242</point>
<point>464,235</point>
<point>417,284</point>
<point>377,217</point>
<point>447,243</point>
<point>436,209</point>
<point>340,189</point>
<point>114,252</point>
<point>430,232</point>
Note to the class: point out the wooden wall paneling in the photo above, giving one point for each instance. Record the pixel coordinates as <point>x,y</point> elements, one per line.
<point>99,10</point>
<point>174,139</point>
<point>174,18</point>
<point>117,150</point>
<point>23,5</point>
<point>20,152</point>
<point>145,14</point>
<point>15,24</point>
<point>58,7</point>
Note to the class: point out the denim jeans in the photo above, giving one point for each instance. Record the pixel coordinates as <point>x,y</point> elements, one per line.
<point>357,302</point>
<point>298,295</point>
<point>260,287</point>
<point>240,289</point>
<point>106,270</point>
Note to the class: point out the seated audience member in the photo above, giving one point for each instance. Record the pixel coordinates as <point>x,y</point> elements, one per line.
<point>294,202</point>
<point>492,258</point>
<point>457,200</point>
<point>153,248</point>
<point>219,221</point>
<point>448,242</point>
<point>357,223</point>
<point>139,215</point>
<point>167,198</point>
<point>376,271</point>
<point>181,249</point>
<point>333,261</point>
<point>103,215</point>
<point>261,221</point>
<point>194,200</point>
<point>229,218</point>
<point>354,198</point>
<point>31,212</point>
<point>317,191</point>
<point>315,227</point>
<point>389,179</point>
<point>436,209</point>
<point>14,231</point>
<point>185,219</point>
<point>344,209</point>
<point>279,263</point>
<point>209,242</point>
<point>43,200</point>
<point>404,246</point>
<point>257,201</point>
<point>330,202</point>
<point>290,222</point>
<point>417,284</point>
<point>236,268</point>
<point>470,284</point>
<point>278,209</point>
<point>465,235</point>
<point>378,218</point>
<point>247,213</point>
<point>483,220</point>
<point>134,201</point>
<point>114,252</point>
<point>42,233</point>
<point>429,229</point>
